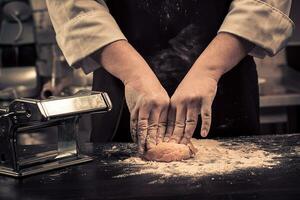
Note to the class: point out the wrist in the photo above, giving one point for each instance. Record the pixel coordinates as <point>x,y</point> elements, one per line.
<point>142,74</point>
<point>207,70</point>
<point>124,62</point>
<point>223,53</point>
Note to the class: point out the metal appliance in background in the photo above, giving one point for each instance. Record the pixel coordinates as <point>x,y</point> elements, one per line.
<point>25,115</point>
<point>18,74</point>
<point>16,82</point>
<point>17,38</point>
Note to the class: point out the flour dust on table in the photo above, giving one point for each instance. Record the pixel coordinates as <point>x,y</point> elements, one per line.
<point>212,158</point>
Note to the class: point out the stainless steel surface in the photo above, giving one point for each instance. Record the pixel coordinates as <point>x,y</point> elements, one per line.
<point>25,115</point>
<point>67,138</point>
<point>26,85</point>
<point>45,167</point>
<point>62,106</point>
<point>27,77</point>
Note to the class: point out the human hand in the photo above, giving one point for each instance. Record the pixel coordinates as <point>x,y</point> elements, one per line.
<point>147,100</point>
<point>197,90</point>
<point>194,96</point>
<point>148,103</point>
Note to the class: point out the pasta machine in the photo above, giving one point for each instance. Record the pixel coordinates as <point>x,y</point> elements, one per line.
<point>29,115</point>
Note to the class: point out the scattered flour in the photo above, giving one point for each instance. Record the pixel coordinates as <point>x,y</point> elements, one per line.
<point>213,158</point>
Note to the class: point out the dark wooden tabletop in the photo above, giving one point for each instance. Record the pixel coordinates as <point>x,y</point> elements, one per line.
<point>95,180</point>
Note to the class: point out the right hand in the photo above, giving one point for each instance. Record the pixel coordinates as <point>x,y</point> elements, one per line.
<point>147,100</point>
<point>148,103</point>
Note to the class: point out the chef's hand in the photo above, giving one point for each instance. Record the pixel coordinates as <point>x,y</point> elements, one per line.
<point>197,90</point>
<point>147,100</point>
<point>194,96</point>
<point>148,104</point>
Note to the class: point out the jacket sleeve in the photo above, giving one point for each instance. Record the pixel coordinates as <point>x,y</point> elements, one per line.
<point>265,23</point>
<point>82,27</point>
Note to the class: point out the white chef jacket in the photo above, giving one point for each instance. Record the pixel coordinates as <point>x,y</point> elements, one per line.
<point>85,26</point>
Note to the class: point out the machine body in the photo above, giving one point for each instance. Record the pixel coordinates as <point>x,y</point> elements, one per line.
<point>27,115</point>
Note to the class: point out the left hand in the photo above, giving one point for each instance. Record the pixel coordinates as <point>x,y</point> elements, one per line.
<point>196,92</point>
<point>194,96</point>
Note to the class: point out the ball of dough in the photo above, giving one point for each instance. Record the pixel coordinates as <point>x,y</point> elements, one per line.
<point>168,152</point>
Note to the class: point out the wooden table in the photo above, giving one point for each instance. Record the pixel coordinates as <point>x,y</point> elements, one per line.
<point>95,180</point>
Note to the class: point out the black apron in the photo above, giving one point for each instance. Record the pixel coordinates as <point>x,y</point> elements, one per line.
<point>170,35</point>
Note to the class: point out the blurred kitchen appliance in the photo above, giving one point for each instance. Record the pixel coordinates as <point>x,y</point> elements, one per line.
<point>17,39</point>
<point>18,82</point>
<point>23,115</point>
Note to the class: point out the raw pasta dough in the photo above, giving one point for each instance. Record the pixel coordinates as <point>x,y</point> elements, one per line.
<point>168,152</point>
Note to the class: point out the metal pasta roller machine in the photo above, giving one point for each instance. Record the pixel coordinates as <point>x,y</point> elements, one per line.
<point>29,115</point>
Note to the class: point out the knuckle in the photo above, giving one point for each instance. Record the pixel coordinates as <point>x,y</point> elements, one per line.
<point>141,136</point>
<point>179,124</point>
<point>206,112</point>
<point>142,124</point>
<point>191,122</point>
<point>157,102</point>
<point>193,98</point>
<point>206,117</point>
<point>171,124</point>
<point>163,103</point>
<point>162,124</point>
<point>152,126</point>
<point>151,101</point>
<point>208,99</point>
<point>176,100</point>
<point>148,101</point>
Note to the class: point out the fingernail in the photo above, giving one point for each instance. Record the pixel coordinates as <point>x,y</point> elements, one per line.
<point>203,133</point>
<point>166,139</point>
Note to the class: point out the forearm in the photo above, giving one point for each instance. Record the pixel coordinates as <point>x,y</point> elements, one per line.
<point>124,62</point>
<point>222,54</point>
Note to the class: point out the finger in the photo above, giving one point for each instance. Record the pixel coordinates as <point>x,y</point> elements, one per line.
<point>205,117</point>
<point>133,123</point>
<point>170,122</point>
<point>152,127</point>
<point>193,149</point>
<point>143,117</point>
<point>162,125</point>
<point>179,124</point>
<point>190,123</point>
